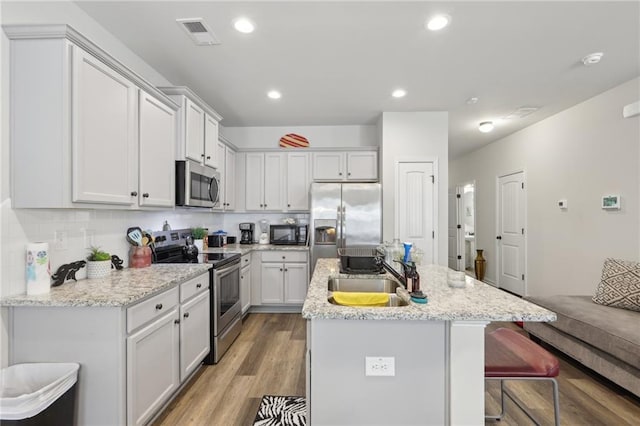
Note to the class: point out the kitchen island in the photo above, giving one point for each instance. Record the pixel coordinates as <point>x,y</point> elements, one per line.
<point>433,371</point>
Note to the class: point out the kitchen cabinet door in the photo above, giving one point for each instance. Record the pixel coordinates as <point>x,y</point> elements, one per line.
<point>152,367</point>
<point>194,131</point>
<point>195,340</point>
<point>272,278</point>
<point>157,139</point>
<point>328,166</point>
<point>296,279</point>
<point>245,288</point>
<point>274,181</point>
<point>211,158</point>
<point>362,165</point>
<point>229,179</point>
<point>254,184</point>
<point>104,138</point>
<point>221,152</point>
<point>298,180</point>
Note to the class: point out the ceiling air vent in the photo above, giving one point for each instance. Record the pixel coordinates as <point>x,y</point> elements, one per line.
<point>199,31</point>
<point>521,112</point>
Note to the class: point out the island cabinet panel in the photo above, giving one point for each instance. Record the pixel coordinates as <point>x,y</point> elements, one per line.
<point>338,349</point>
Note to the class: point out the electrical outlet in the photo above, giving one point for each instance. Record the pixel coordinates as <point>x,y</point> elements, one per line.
<point>60,240</point>
<point>380,366</point>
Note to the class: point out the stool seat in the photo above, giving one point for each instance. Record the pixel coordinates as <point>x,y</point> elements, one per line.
<point>510,354</point>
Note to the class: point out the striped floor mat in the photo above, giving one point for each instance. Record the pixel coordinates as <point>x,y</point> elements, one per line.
<point>281,411</point>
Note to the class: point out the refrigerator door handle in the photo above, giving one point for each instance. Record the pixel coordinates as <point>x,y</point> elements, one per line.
<point>338,227</point>
<point>343,232</point>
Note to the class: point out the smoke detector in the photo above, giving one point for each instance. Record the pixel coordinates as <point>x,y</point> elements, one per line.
<point>199,31</point>
<point>592,58</point>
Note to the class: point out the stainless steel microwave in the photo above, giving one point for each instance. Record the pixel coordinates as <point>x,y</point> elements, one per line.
<point>288,234</point>
<point>196,185</point>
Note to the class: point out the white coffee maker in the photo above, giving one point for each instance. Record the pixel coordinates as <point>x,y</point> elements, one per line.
<point>264,232</point>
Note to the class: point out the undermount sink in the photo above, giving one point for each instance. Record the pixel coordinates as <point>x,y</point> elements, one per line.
<point>367,285</point>
<point>363,285</point>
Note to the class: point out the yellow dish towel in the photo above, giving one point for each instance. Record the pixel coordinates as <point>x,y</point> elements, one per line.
<point>348,298</point>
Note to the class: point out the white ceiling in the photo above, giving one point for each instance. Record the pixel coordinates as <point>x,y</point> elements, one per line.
<point>336,63</point>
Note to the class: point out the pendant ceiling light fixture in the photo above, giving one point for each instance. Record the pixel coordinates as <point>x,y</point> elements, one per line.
<point>485,126</point>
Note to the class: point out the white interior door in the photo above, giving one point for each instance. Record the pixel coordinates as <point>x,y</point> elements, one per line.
<point>511,233</point>
<point>456,252</point>
<point>414,211</point>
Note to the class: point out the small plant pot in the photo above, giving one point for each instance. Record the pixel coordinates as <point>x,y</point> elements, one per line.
<point>99,269</point>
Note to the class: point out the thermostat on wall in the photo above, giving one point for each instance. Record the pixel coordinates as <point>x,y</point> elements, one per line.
<point>611,202</point>
<point>563,204</point>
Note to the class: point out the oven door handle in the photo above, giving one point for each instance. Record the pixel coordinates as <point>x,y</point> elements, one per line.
<point>227,269</point>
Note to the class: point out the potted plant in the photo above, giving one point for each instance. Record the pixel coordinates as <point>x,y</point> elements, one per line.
<point>98,263</point>
<point>199,234</point>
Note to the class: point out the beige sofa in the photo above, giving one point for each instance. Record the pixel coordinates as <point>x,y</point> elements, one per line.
<point>603,338</point>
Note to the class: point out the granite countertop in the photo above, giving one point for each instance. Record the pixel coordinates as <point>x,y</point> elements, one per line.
<point>248,248</point>
<point>475,302</point>
<point>121,288</point>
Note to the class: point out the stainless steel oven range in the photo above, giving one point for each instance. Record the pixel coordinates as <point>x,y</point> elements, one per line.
<point>224,285</point>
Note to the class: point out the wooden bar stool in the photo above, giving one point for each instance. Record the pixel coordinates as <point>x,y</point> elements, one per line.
<point>511,356</point>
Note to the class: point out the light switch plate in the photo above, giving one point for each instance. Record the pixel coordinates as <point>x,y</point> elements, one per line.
<point>380,366</point>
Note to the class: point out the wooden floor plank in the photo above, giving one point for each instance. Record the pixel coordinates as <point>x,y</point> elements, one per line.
<point>268,358</point>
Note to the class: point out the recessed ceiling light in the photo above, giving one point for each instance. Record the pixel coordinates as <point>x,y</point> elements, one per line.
<point>399,93</point>
<point>486,126</point>
<point>274,94</point>
<point>592,58</point>
<point>243,25</point>
<point>438,22</point>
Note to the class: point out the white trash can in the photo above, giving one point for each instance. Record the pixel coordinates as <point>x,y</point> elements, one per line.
<point>38,394</point>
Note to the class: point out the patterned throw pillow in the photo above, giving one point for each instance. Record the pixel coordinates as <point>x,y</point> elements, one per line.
<point>620,285</point>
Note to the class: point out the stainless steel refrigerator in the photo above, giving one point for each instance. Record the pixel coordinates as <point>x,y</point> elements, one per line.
<point>344,215</point>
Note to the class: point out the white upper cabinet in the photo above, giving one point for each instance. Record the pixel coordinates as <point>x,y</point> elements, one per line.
<point>211,155</point>
<point>104,133</point>
<point>345,166</point>
<point>264,181</point>
<point>298,180</point>
<point>194,131</point>
<point>198,125</point>
<point>227,169</point>
<point>78,125</point>
<point>157,129</point>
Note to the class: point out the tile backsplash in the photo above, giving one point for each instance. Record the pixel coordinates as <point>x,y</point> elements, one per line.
<point>70,231</point>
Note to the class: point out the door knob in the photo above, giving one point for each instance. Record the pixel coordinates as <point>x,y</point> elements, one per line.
<point>499,237</point>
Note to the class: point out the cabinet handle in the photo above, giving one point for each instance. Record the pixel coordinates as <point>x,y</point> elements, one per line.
<point>159,306</point>
<point>202,155</point>
<point>186,315</point>
<point>177,321</point>
<point>284,257</point>
<point>288,205</point>
<point>265,205</point>
<point>286,270</point>
<point>280,269</point>
<point>349,174</point>
<point>260,205</point>
<point>198,285</point>
<point>145,195</point>
<point>242,277</point>
<point>246,260</point>
<point>340,174</point>
<point>134,193</point>
<point>208,157</point>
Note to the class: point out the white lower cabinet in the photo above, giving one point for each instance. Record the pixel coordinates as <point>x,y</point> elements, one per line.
<point>152,367</point>
<point>194,333</point>
<point>284,277</point>
<point>245,282</point>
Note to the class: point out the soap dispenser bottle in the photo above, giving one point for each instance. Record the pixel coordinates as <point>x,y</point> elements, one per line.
<point>413,278</point>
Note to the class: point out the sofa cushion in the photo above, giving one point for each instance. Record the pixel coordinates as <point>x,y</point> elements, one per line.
<point>614,331</point>
<point>620,285</point>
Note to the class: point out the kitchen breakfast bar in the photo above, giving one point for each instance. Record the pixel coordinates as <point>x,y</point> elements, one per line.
<point>427,360</point>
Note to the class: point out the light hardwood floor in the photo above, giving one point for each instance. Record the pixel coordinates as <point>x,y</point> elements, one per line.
<point>268,359</point>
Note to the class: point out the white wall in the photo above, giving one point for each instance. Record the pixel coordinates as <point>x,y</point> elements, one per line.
<point>417,135</point>
<point>580,154</point>
<point>318,136</point>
